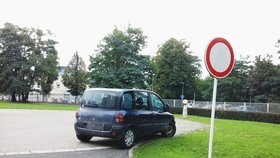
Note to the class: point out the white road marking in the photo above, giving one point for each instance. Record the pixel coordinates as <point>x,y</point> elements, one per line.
<point>52,151</point>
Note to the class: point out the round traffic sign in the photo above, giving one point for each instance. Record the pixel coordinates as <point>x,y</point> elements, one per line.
<point>219,58</point>
<point>182,96</point>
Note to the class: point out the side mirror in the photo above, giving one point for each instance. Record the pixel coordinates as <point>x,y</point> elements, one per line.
<point>167,108</point>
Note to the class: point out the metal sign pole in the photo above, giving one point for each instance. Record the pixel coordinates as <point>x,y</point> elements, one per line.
<point>219,61</point>
<point>212,118</point>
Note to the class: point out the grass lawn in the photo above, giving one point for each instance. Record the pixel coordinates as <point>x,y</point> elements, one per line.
<point>232,139</point>
<point>37,106</point>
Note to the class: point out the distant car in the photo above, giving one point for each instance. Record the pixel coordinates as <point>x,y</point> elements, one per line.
<point>244,108</point>
<point>251,109</point>
<point>223,106</point>
<point>122,114</point>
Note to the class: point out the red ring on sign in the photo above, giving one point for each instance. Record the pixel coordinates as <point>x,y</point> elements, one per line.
<point>207,58</point>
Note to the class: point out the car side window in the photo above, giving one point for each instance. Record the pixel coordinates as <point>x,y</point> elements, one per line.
<point>157,104</point>
<point>141,100</point>
<point>127,102</point>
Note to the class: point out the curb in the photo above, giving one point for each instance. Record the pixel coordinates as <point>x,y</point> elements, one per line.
<point>130,152</point>
<point>51,151</point>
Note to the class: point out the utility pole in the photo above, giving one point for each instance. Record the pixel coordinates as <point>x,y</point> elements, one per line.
<point>182,88</point>
<point>194,99</point>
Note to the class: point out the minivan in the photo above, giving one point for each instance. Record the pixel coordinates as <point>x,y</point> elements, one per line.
<point>122,114</point>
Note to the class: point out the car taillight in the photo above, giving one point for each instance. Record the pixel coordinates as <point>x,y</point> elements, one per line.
<point>119,118</point>
<point>77,114</point>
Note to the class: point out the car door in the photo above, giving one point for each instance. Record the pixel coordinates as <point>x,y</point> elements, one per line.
<point>144,113</point>
<point>161,119</point>
<point>127,104</point>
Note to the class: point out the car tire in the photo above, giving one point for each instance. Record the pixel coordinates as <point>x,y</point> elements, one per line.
<point>171,130</point>
<point>84,138</point>
<point>128,138</point>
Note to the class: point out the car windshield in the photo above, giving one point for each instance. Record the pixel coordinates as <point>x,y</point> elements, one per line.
<point>99,98</point>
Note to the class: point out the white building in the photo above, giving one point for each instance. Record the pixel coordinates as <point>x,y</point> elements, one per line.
<point>59,93</point>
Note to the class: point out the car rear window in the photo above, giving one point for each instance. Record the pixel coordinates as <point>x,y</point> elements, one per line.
<point>102,99</point>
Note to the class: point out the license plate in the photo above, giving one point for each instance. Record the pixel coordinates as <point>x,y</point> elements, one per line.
<point>95,126</point>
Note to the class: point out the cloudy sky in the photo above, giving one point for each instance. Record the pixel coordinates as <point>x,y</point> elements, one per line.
<point>251,26</point>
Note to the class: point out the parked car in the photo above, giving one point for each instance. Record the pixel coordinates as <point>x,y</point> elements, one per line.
<point>122,114</point>
<point>244,108</point>
<point>223,106</point>
<point>251,109</point>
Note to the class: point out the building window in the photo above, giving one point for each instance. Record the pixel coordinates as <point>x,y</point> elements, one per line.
<point>57,85</point>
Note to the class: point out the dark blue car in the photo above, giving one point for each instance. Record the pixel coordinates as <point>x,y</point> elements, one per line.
<point>122,114</point>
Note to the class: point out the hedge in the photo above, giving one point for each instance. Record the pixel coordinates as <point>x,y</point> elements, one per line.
<point>232,115</point>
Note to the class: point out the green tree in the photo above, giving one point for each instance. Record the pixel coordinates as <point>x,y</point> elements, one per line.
<point>275,84</point>
<point>264,79</point>
<point>75,76</point>
<point>277,45</point>
<point>177,69</point>
<point>45,60</point>
<point>150,74</point>
<point>15,46</point>
<point>237,85</point>
<point>22,53</point>
<point>205,88</point>
<point>117,62</point>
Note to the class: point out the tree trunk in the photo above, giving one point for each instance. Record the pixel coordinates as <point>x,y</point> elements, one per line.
<point>25,97</point>
<point>44,98</point>
<point>76,97</point>
<point>22,97</point>
<point>14,99</point>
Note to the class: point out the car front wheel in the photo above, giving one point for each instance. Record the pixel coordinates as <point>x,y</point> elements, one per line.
<point>127,141</point>
<point>170,131</point>
<point>84,138</point>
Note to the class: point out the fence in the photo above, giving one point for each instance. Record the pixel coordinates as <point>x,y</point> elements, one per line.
<point>229,106</point>
<point>55,98</point>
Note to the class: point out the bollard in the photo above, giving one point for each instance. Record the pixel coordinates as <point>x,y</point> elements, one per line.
<point>185,107</point>
<point>244,107</point>
<point>267,107</point>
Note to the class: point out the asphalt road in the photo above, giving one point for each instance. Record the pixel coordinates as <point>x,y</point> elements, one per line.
<point>46,133</point>
<point>102,153</point>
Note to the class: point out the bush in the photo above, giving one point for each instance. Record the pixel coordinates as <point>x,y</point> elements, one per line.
<point>232,115</point>
<point>176,110</point>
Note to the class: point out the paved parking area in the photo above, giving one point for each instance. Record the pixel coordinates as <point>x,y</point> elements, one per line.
<point>41,131</point>
<point>100,153</point>
<point>46,131</point>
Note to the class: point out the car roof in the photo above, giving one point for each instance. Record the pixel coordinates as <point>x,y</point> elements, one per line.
<point>117,89</point>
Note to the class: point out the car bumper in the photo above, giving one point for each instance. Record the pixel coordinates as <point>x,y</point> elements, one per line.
<point>116,132</point>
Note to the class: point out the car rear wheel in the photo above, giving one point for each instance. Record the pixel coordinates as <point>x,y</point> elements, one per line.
<point>84,138</point>
<point>127,141</point>
<point>170,131</point>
